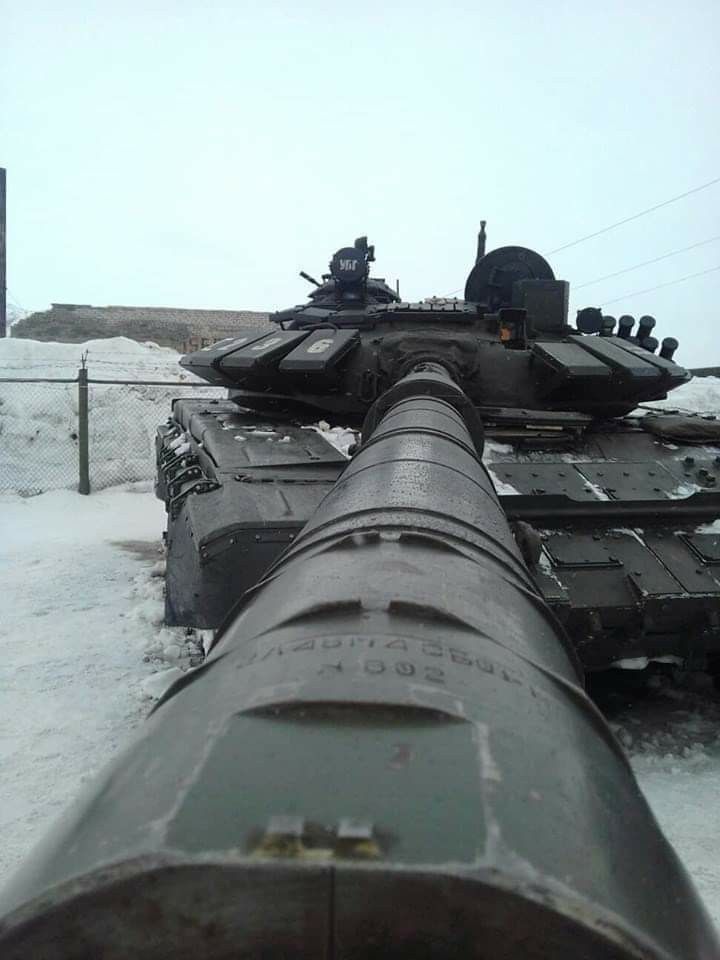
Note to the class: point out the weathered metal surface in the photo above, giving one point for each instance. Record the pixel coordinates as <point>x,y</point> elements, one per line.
<point>556,398</point>
<point>387,753</point>
<point>222,541</point>
<point>239,489</point>
<point>508,344</point>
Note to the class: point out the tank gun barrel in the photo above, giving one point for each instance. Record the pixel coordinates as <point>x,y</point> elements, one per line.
<point>387,753</point>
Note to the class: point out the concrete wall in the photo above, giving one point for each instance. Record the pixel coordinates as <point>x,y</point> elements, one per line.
<point>181,329</point>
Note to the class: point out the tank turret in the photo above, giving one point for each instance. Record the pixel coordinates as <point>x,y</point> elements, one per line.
<point>508,343</point>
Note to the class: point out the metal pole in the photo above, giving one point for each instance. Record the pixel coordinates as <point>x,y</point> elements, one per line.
<point>482,238</point>
<point>83,448</point>
<point>3,271</point>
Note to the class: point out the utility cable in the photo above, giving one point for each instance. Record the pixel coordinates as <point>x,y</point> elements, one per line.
<point>619,223</point>
<point>635,216</point>
<point>670,283</point>
<point>645,263</point>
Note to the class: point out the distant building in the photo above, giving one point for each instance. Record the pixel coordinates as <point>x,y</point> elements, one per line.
<point>181,329</point>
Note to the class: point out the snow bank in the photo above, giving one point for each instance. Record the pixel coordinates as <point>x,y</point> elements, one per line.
<point>700,395</point>
<point>38,421</point>
<point>117,358</point>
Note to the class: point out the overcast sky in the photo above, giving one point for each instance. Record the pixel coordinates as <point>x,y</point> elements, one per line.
<point>199,154</point>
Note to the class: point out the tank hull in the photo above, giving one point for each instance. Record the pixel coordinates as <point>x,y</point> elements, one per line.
<point>627,557</point>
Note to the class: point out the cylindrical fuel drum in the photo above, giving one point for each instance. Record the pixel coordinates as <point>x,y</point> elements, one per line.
<point>388,753</point>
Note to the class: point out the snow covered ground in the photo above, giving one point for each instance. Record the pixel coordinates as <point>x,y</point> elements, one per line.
<point>73,637</point>
<point>84,649</point>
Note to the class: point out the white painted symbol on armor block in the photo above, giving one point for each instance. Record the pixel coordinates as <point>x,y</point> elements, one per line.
<point>348,264</point>
<point>217,344</point>
<point>320,346</point>
<point>266,344</point>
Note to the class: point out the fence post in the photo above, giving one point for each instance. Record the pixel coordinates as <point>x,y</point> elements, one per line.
<point>83,448</point>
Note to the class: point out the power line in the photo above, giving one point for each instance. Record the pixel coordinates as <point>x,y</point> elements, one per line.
<point>670,283</point>
<point>619,223</point>
<point>636,216</point>
<point>645,263</point>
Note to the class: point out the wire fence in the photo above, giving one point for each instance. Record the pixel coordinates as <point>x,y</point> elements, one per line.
<point>49,442</point>
<point>50,438</point>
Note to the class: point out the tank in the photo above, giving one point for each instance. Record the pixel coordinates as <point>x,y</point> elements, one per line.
<point>388,751</point>
<point>612,504</point>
